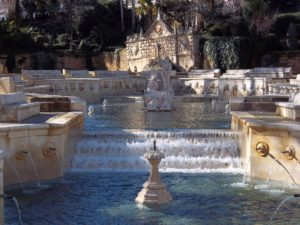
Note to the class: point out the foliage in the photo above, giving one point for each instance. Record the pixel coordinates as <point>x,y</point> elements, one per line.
<point>40,6</point>
<point>63,38</point>
<point>233,27</point>
<point>145,12</point>
<point>282,21</point>
<point>228,9</point>
<point>179,12</point>
<point>14,37</point>
<point>258,14</point>
<point>102,26</point>
<point>292,31</point>
<point>232,52</point>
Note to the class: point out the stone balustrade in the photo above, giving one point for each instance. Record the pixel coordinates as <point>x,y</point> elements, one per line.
<point>41,74</point>
<point>109,74</point>
<point>204,73</point>
<point>283,89</point>
<point>92,89</point>
<point>290,109</point>
<point>236,73</point>
<point>14,107</point>
<point>271,72</point>
<point>76,73</point>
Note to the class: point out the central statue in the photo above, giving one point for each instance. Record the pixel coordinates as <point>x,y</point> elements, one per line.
<point>158,94</point>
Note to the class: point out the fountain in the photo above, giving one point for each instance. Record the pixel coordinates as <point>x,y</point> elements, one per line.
<point>105,102</point>
<point>91,110</point>
<point>49,150</point>
<point>154,191</point>
<point>35,170</point>
<point>159,93</point>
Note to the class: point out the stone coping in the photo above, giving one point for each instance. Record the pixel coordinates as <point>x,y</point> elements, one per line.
<point>244,78</point>
<point>272,69</point>
<point>95,79</point>
<point>198,78</point>
<point>64,119</point>
<point>289,105</point>
<point>252,120</point>
<point>61,120</point>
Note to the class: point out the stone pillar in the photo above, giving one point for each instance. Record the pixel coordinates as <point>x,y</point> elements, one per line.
<point>7,85</point>
<point>154,191</point>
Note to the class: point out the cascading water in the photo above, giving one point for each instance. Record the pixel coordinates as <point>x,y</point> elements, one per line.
<point>185,150</point>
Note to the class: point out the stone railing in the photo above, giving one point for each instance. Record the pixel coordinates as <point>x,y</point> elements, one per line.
<point>92,89</point>
<point>204,73</point>
<point>14,107</point>
<point>283,89</point>
<point>291,109</point>
<point>271,72</point>
<point>76,73</point>
<point>109,74</point>
<point>236,73</point>
<point>41,74</point>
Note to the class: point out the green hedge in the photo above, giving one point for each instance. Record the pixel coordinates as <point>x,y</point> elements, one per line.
<point>282,22</point>
<point>233,27</point>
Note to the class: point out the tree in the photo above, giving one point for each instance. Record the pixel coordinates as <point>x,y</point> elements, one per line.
<point>145,11</point>
<point>258,14</point>
<point>183,12</point>
<point>101,25</point>
<point>122,15</point>
<point>133,14</point>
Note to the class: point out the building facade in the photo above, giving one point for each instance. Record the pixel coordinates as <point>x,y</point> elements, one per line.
<point>161,41</point>
<point>5,6</point>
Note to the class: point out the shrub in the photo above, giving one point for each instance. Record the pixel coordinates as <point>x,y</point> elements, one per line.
<point>63,38</point>
<point>271,42</point>
<point>214,30</point>
<point>41,40</point>
<point>282,21</point>
<point>292,31</point>
<point>234,27</point>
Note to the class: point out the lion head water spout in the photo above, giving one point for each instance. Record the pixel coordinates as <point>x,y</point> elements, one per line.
<point>154,191</point>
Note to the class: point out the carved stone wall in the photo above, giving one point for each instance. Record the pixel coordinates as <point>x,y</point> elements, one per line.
<point>161,42</point>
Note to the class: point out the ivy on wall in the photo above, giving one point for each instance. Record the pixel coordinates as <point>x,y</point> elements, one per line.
<point>231,52</point>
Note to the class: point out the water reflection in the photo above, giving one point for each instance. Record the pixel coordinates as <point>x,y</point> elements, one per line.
<point>133,116</point>
<point>108,198</point>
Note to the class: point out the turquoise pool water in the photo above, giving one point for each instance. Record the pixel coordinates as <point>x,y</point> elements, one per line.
<point>104,198</point>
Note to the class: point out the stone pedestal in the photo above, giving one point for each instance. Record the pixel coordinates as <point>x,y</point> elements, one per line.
<point>154,191</point>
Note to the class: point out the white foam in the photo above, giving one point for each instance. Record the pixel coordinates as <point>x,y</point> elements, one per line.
<point>193,151</point>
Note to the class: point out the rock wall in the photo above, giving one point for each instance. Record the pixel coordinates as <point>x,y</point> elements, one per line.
<point>41,60</point>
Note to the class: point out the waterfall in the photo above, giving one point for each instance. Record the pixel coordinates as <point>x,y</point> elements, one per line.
<point>186,150</point>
